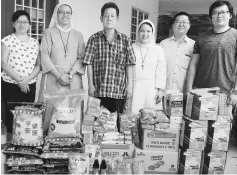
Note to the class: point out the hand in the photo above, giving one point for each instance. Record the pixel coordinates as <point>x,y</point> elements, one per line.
<point>185,94</point>
<point>92,90</point>
<point>64,79</point>
<point>159,96</point>
<point>24,81</point>
<point>232,99</point>
<point>25,89</point>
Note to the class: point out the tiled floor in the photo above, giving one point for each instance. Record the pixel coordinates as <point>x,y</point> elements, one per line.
<point>231,163</point>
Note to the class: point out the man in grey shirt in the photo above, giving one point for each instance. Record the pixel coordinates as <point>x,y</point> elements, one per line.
<point>215,55</point>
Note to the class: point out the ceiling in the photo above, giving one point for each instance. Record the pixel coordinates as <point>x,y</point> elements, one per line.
<point>189,6</point>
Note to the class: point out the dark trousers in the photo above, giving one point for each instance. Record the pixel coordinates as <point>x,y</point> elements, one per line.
<point>12,93</point>
<point>113,105</point>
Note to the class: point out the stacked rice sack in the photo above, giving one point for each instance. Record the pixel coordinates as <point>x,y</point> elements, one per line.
<point>23,155</point>
<point>63,141</point>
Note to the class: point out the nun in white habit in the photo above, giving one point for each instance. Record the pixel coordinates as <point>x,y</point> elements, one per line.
<point>149,75</point>
<point>62,49</point>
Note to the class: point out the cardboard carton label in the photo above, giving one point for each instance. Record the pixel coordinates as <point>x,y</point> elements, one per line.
<point>218,136</point>
<point>158,161</point>
<point>214,162</point>
<point>165,140</point>
<point>112,150</point>
<point>190,161</point>
<point>205,108</point>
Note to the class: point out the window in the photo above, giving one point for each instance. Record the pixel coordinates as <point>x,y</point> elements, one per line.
<point>137,17</point>
<point>36,9</point>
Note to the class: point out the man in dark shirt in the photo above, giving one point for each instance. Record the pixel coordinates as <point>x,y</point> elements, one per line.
<point>215,55</point>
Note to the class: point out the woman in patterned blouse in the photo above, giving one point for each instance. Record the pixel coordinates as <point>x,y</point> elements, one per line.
<point>20,62</point>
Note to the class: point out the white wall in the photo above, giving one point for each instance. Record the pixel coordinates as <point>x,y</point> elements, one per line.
<point>86,14</point>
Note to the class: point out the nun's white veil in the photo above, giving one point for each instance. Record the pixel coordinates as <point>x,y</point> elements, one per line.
<point>54,19</point>
<point>152,41</point>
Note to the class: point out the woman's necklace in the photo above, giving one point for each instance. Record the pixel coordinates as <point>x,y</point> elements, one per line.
<point>64,46</point>
<point>143,58</point>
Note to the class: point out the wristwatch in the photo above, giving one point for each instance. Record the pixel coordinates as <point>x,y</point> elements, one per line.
<point>234,92</point>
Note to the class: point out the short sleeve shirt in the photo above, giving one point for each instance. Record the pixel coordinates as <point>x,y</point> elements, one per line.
<point>178,57</point>
<point>218,58</point>
<point>22,57</point>
<point>109,61</point>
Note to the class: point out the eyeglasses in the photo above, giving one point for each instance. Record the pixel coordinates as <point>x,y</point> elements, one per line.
<point>22,22</point>
<point>182,22</point>
<point>64,13</point>
<point>220,13</point>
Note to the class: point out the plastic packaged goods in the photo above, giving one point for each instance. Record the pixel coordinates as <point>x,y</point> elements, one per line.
<point>78,163</point>
<point>93,102</point>
<point>93,106</point>
<point>67,112</point>
<point>111,123</point>
<point>129,125</point>
<point>152,116</point>
<point>94,152</point>
<point>138,167</point>
<point>64,142</point>
<point>25,169</point>
<point>98,137</point>
<point>16,160</point>
<point>27,123</point>
<point>56,170</point>
<point>23,150</point>
<point>104,115</point>
<point>55,161</point>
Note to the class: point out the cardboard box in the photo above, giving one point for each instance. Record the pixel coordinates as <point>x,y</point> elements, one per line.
<point>218,136</point>
<point>156,162</point>
<point>177,120</point>
<point>162,140</point>
<point>114,150</point>
<point>173,103</point>
<point>214,162</point>
<point>190,161</point>
<point>202,104</point>
<point>193,134</point>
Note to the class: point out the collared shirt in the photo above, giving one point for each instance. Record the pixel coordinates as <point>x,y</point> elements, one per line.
<point>177,57</point>
<point>109,61</point>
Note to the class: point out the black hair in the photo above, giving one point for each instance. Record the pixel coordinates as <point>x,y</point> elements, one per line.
<point>149,24</point>
<point>19,13</point>
<point>220,3</point>
<point>180,14</point>
<point>109,5</point>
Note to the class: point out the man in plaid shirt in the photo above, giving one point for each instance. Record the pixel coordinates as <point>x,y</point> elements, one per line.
<point>110,58</point>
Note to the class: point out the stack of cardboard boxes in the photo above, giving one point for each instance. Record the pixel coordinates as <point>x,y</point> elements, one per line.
<point>160,144</point>
<point>205,133</point>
